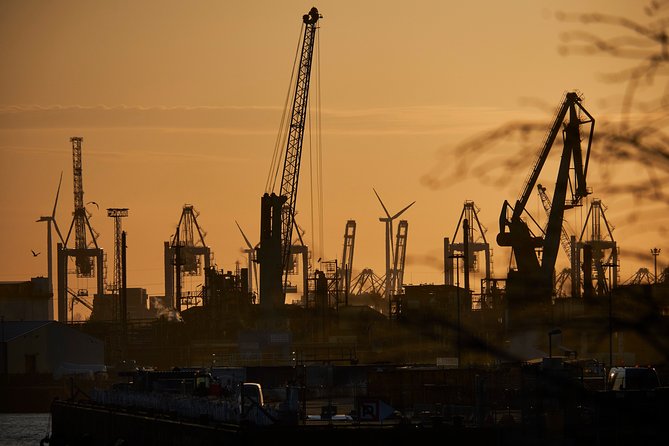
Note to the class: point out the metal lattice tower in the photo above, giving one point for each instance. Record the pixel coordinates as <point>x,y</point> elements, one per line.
<point>80,222</point>
<point>291,165</point>
<point>117,214</point>
<point>89,258</point>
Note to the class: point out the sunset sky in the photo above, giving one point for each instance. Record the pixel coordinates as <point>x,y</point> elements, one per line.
<point>180,103</point>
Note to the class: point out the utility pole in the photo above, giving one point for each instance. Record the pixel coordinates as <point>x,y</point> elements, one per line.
<point>123,295</point>
<point>457,258</point>
<point>610,265</point>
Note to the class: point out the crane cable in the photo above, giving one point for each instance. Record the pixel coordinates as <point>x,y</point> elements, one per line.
<point>318,160</point>
<point>282,135</point>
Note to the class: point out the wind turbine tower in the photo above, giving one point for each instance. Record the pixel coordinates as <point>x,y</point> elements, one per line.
<point>390,255</point>
<point>49,220</point>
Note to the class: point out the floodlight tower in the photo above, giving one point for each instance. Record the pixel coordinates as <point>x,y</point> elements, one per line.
<point>117,214</point>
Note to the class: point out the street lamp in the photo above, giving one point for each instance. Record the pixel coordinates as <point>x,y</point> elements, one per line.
<point>655,252</point>
<point>457,258</point>
<point>554,331</point>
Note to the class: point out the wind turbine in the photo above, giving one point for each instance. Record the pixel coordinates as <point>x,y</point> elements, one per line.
<point>390,255</point>
<point>49,220</point>
<point>252,265</point>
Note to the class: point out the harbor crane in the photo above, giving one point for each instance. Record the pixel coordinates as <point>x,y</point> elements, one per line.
<point>89,257</point>
<point>603,256</point>
<point>278,211</point>
<point>184,255</point>
<point>476,245</point>
<point>529,285</point>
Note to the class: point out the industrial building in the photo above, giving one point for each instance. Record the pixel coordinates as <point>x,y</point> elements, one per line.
<point>26,301</point>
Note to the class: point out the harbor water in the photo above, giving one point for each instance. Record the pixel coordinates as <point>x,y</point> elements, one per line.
<point>23,429</point>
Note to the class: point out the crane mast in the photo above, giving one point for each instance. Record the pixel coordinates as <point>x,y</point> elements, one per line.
<point>397,279</point>
<point>80,222</point>
<point>347,256</point>
<point>278,212</point>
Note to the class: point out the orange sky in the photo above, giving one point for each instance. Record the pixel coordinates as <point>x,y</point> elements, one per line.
<point>180,102</point>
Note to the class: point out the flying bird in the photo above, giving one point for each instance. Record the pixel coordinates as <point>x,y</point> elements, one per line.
<point>35,254</point>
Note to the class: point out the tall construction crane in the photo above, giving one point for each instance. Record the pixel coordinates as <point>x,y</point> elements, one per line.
<point>80,222</point>
<point>278,211</point>
<point>531,283</point>
<point>85,250</point>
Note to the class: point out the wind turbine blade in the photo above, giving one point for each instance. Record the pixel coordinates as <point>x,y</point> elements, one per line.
<point>382,205</point>
<point>400,212</point>
<point>244,235</point>
<point>55,203</point>
<point>60,236</point>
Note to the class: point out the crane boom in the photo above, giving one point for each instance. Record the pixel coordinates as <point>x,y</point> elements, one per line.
<point>564,237</point>
<point>291,165</point>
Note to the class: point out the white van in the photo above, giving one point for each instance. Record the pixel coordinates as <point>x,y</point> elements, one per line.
<point>632,378</point>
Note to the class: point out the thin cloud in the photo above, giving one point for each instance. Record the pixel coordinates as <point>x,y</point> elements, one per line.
<point>413,120</point>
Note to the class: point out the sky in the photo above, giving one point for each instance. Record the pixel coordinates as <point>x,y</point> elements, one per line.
<point>181,102</point>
